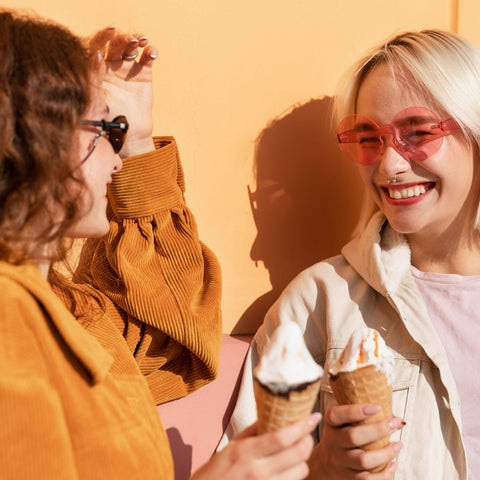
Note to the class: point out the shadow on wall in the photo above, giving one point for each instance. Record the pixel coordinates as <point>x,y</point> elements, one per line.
<point>305,202</point>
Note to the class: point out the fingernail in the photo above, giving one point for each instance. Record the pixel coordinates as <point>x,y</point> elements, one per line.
<point>397,446</point>
<point>111,27</point>
<point>314,418</point>
<point>393,467</point>
<point>371,409</point>
<point>143,38</point>
<point>395,423</point>
<point>132,40</point>
<point>153,55</point>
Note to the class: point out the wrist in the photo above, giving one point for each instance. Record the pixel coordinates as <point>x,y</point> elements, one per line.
<point>137,147</point>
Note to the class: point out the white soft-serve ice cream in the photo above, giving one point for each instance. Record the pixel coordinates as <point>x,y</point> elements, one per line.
<point>286,380</point>
<point>286,363</point>
<point>365,347</point>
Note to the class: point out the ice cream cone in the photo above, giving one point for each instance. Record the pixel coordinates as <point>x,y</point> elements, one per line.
<point>365,385</point>
<point>279,410</point>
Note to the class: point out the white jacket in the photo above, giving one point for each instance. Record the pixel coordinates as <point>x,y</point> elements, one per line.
<point>370,285</point>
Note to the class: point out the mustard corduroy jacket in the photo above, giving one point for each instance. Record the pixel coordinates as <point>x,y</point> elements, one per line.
<point>78,395</point>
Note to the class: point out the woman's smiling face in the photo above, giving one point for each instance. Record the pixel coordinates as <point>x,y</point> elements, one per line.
<point>430,196</point>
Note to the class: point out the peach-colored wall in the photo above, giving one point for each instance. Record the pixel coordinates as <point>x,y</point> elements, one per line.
<point>245,86</point>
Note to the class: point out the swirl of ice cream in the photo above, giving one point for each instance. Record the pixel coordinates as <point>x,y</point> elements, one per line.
<point>365,347</point>
<point>286,363</point>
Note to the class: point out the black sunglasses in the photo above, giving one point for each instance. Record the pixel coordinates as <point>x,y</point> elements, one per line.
<point>115,132</point>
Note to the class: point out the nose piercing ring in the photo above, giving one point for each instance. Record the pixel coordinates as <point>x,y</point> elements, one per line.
<point>392,180</point>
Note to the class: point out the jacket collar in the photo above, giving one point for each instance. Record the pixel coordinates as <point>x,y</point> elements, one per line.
<point>380,255</point>
<point>83,346</point>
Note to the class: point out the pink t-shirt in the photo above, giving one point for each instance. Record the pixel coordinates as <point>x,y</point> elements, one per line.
<point>453,303</point>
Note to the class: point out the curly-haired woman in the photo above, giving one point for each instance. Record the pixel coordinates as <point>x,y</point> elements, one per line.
<point>84,360</point>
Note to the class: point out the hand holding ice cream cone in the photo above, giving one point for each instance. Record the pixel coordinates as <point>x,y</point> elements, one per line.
<point>339,453</point>
<point>362,375</point>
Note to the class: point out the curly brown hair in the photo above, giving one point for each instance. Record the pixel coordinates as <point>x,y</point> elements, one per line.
<point>45,88</point>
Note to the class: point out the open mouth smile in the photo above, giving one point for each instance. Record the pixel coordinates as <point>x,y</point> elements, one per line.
<point>406,192</point>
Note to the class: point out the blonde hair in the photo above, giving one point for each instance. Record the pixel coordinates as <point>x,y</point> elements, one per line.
<point>440,66</point>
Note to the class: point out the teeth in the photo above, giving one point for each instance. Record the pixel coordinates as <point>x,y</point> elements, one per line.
<point>407,192</point>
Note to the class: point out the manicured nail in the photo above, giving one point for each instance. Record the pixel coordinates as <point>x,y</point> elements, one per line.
<point>143,38</point>
<point>395,423</point>
<point>397,446</point>
<point>393,467</point>
<point>153,55</point>
<point>314,418</point>
<point>371,409</point>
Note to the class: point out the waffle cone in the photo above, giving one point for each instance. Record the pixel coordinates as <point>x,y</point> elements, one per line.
<point>365,385</point>
<point>279,410</point>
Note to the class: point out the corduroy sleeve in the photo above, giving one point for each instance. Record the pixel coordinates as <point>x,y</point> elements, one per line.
<point>165,284</point>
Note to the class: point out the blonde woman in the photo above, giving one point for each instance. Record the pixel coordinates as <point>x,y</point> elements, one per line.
<point>409,117</point>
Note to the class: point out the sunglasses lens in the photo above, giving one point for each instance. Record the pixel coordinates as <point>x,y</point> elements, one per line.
<point>359,139</point>
<point>116,135</point>
<point>417,135</point>
<point>116,138</point>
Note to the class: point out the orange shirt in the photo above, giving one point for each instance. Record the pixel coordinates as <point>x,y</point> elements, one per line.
<point>77,396</point>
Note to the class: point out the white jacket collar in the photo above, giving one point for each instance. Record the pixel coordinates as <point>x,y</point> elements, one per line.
<point>380,255</point>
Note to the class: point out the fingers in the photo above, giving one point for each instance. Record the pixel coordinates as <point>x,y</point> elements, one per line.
<point>278,455</point>
<point>149,54</point>
<point>293,457</point>
<point>360,460</point>
<point>251,456</point>
<point>123,44</point>
<point>347,429</point>
<point>111,47</point>
<point>348,414</point>
<point>298,471</point>
<point>273,442</point>
<point>391,468</point>
<point>361,435</point>
<point>250,431</point>
<point>98,42</point>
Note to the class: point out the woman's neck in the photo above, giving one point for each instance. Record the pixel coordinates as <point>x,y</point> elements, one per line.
<point>44,267</point>
<point>446,254</point>
<point>43,257</point>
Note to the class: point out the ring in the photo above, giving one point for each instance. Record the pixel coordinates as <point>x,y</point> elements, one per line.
<point>130,57</point>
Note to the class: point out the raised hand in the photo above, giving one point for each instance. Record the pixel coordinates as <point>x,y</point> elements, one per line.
<point>124,64</point>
